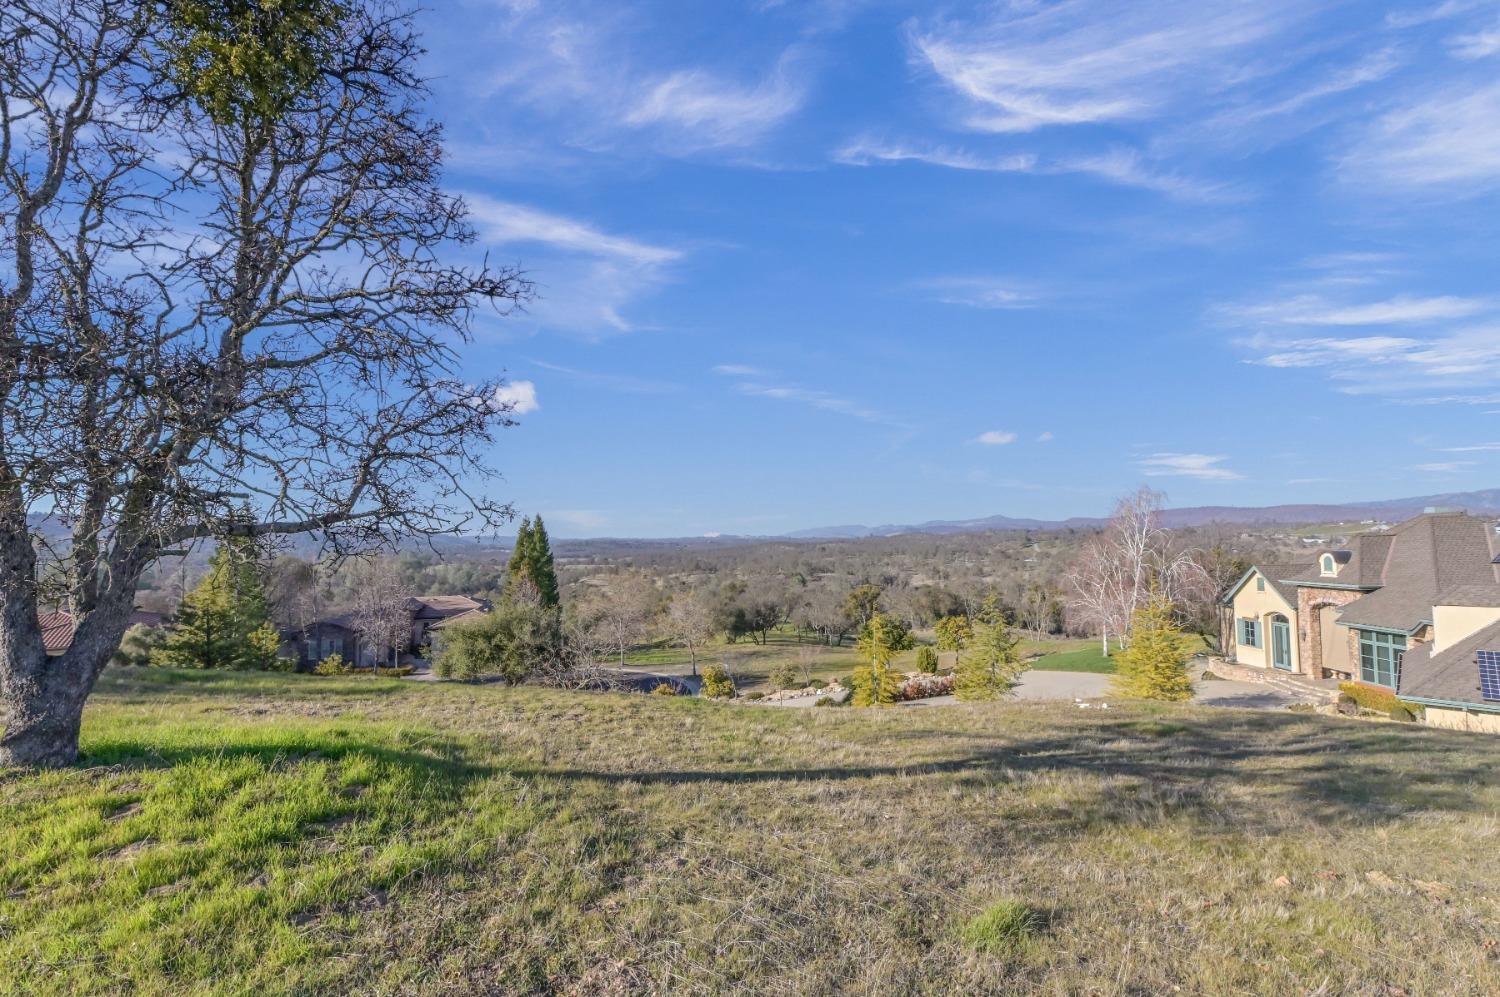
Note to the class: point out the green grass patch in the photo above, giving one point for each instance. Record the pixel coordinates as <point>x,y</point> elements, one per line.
<point>1085,660</point>
<point>1003,928</point>
<point>287,834</point>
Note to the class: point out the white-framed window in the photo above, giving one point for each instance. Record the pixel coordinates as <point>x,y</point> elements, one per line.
<point>1250,633</point>
<point>1260,583</point>
<point>1329,569</point>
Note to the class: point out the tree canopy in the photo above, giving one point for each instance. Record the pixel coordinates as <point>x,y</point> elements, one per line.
<point>227,278</point>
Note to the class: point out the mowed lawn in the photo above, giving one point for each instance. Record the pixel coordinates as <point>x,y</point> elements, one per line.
<point>751,664</point>
<point>276,834</point>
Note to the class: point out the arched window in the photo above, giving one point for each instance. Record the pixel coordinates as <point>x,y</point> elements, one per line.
<point>1328,569</point>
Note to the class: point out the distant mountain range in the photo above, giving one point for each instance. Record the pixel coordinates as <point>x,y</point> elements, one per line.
<point>1484,502</point>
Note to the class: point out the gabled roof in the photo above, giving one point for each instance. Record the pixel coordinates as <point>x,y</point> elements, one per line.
<point>428,607</point>
<point>1424,557</point>
<point>1487,595</point>
<point>1274,572</point>
<point>1451,676</point>
<point>1360,565</point>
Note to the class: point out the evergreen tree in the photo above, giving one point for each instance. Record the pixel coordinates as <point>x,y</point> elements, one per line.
<point>531,561</point>
<point>223,622</point>
<point>1154,665</point>
<point>991,664</point>
<point>520,555</point>
<point>876,683</point>
<point>543,571</point>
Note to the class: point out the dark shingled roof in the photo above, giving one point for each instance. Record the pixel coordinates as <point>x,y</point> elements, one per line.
<point>1276,572</point>
<point>1451,675</point>
<point>1470,595</point>
<point>1425,556</point>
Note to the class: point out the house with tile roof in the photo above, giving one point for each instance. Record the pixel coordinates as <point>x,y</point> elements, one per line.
<point>1354,614</point>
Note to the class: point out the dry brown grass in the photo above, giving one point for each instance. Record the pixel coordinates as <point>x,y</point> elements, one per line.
<point>630,844</point>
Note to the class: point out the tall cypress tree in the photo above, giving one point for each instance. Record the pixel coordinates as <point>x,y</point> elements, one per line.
<point>519,565</point>
<point>543,571</point>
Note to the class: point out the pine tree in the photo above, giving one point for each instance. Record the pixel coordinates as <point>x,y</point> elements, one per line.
<point>531,563</point>
<point>216,621</point>
<point>990,665</point>
<point>1154,666</point>
<point>876,683</point>
<point>543,571</point>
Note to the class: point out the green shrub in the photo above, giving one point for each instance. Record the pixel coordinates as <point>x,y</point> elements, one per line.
<point>1002,928</point>
<point>716,682</point>
<point>138,643</point>
<point>927,659</point>
<point>826,701</point>
<point>664,689</point>
<point>512,641</point>
<point>1401,714</point>
<point>334,664</point>
<point>1369,697</point>
<point>755,695</point>
<point>785,676</point>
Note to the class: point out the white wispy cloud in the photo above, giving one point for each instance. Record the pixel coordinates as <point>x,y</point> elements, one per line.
<point>1317,309</point>
<point>587,277</point>
<point>1077,63</point>
<point>706,111</point>
<point>1045,437</point>
<point>981,292</point>
<point>1444,466</point>
<point>1473,448</point>
<point>865,151</point>
<point>755,383</point>
<point>1476,44</point>
<point>1206,467</point>
<point>612,380</point>
<point>518,397</point>
<point>597,71</point>
<point>995,438</point>
<point>1449,140</point>
<point>1125,167</point>
<point>503,222</point>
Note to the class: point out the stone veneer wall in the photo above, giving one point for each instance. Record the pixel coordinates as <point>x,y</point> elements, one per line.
<point>1309,638</point>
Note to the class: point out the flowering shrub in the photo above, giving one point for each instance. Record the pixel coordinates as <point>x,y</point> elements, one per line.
<point>926,686</point>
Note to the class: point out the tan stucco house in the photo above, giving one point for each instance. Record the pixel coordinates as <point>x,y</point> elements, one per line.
<point>1354,613</point>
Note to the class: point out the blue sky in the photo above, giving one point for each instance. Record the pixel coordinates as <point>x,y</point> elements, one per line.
<point>816,262</point>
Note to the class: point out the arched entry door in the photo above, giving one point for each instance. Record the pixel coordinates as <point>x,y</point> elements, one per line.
<point>1281,642</point>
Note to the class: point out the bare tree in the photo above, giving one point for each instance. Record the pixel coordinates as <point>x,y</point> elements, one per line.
<point>1132,558</point>
<point>224,311</point>
<point>692,621</point>
<point>621,614</point>
<point>381,617</point>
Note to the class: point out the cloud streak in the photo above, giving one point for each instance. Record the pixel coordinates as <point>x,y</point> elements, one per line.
<point>1204,467</point>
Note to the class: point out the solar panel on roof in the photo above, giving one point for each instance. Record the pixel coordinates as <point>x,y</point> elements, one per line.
<point>1489,675</point>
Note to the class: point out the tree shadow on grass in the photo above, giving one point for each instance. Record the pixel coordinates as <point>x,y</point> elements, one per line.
<point>1302,771</point>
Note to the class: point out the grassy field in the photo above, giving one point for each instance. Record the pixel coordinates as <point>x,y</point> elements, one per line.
<point>293,834</point>
<point>751,664</point>
<point>1084,656</point>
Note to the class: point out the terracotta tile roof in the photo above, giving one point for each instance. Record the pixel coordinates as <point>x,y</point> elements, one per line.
<point>57,628</point>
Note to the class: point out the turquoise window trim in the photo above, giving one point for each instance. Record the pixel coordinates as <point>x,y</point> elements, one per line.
<point>1380,657</point>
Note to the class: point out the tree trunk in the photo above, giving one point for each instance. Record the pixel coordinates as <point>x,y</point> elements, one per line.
<point>44,706</point>
<point>44,696</point>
